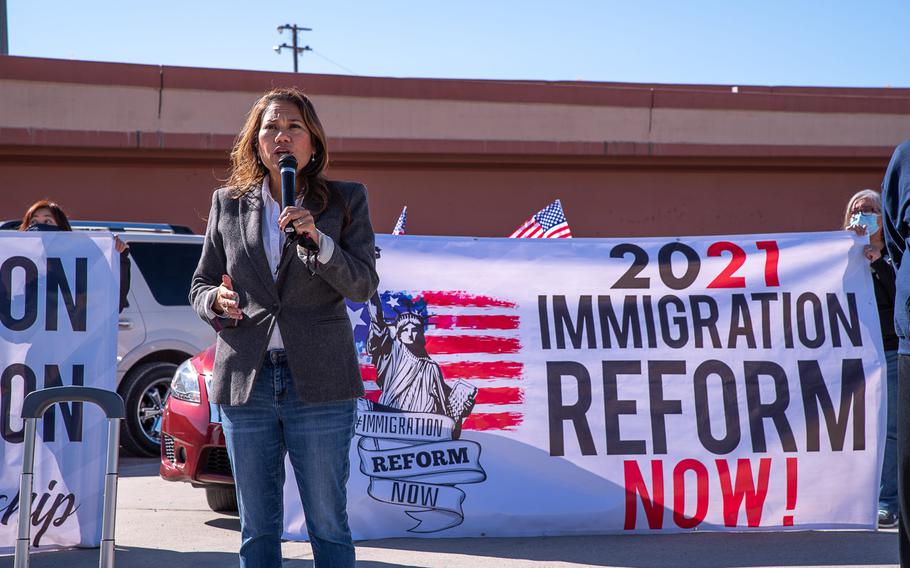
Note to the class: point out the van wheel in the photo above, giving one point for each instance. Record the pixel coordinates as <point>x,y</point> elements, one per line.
<point>145,390</point>
<point>221,498</point>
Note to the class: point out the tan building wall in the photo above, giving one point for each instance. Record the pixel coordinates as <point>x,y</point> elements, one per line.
<point>146,143</point>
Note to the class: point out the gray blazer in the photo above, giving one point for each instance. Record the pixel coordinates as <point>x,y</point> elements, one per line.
<point>310,310</point>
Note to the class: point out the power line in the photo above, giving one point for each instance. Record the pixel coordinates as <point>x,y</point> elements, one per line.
<point>335,63</point>
<point>295,29</point>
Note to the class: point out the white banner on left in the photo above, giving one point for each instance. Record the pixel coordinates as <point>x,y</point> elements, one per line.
<point>58,327</point>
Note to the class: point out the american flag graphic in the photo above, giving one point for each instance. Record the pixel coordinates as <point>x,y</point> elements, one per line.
<point>402,219</point>
<point>548,223</point>
<point>473,338</point>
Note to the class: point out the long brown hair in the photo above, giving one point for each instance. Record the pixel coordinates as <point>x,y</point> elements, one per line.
<point>247,170</point>
<point>56,212</point>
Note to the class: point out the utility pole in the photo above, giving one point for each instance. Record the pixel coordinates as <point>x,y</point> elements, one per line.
<point>294,28</point>
<point>4,33</point>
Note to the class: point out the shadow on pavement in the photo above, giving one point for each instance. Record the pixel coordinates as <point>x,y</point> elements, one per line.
<point>705,550</point>
<point>154,558</point>
<point>229,524</point>
<point>374,564</point>
<point>735,550</point>
<point>139,467</point>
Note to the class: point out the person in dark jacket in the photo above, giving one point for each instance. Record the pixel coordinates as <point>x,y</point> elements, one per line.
<point>864,217</point>
<point>286,375</point>
<point>896,214</point>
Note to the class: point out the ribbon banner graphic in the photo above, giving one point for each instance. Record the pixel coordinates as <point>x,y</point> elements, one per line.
<point>406,469</point>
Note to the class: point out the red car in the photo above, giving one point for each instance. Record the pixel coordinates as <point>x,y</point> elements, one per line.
<point>192,441</point>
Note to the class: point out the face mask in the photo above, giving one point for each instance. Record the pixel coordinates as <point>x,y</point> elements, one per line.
<point>868,220</point>
<point>43,227</point>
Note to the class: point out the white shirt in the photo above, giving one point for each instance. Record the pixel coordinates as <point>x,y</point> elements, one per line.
<point>273,240</point>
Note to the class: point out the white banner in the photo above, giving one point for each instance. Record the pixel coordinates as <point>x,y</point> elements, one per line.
<point>58,327</point>
<point>537,387</point>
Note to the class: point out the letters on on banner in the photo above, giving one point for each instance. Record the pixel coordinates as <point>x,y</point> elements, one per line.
<point>58,314</point>
<point>535,387</point>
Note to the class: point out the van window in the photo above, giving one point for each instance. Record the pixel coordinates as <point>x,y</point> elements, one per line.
<point>168,269</point>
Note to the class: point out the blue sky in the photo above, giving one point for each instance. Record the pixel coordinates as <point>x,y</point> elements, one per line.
<point>734,42</point>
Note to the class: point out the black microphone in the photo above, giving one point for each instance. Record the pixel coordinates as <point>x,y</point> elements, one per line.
<point>287,165</point>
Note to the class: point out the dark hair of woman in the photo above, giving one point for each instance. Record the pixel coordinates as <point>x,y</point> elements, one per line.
<point>247,170</point>
<point>59,216</point>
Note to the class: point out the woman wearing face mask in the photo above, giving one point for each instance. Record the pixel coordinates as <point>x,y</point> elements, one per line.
<point>45,215</point>
<point>864,217</point>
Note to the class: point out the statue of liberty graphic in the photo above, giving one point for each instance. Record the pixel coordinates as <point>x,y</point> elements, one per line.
<point>410,443</point>
<point>410,380</point>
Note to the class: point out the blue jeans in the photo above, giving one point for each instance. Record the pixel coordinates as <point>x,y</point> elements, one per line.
<point>887,497</point>
<point>275,422</point>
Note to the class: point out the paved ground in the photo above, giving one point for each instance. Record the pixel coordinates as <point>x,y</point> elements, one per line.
<point>169,525</point>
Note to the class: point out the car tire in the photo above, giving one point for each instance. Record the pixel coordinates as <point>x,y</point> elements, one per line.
<point>221,498</point>
<point>144,390</point>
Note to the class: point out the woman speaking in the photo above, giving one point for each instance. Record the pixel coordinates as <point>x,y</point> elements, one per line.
<point>286,374</point>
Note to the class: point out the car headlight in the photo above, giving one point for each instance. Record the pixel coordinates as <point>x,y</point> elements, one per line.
<point>185,385</point>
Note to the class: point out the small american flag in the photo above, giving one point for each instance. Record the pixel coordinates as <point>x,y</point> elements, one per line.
<point>402,219</point>
<point>548,223</point>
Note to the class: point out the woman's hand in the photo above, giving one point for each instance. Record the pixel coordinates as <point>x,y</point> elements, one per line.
<point>120,245</point>
<point>302,221</point>
<point>227,302</point>
<point>860,230</point>
<point>872,253</point>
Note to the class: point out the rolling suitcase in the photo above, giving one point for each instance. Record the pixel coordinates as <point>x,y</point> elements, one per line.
<point>33,408</point>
